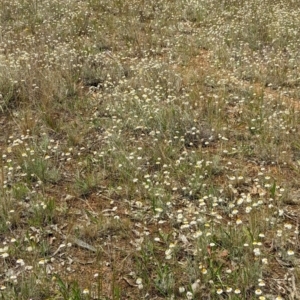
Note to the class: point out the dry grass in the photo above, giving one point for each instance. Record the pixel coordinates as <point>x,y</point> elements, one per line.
<point>150,150</point>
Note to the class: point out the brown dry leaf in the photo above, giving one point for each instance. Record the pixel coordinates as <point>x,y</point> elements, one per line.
<point>254,190</point>
<point>223,253</point>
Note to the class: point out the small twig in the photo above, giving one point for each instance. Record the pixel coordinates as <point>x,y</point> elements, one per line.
<point>81,243</point>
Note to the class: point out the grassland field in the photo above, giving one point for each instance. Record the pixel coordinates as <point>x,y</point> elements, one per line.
<point>149,149</point>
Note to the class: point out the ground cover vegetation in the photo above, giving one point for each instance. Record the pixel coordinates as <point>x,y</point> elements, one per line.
<point>149,149</point>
